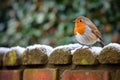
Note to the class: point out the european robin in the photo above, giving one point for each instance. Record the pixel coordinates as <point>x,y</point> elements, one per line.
<point>86,33</point>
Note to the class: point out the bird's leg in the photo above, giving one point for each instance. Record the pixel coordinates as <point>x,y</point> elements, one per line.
<point>90,46</point>
<point>82,47</point>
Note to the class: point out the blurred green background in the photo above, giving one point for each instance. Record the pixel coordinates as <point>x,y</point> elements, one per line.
<point>27,22</point>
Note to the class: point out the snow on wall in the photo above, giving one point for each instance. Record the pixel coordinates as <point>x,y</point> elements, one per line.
<point>48,49</point>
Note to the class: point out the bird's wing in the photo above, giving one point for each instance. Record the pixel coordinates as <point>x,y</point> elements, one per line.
<point>92,27</point>
<point>98,34</point>
<point>95,31</point>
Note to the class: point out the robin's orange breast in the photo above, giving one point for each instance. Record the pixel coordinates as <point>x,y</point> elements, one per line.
<point>79,28</point>
<point>87,38</point>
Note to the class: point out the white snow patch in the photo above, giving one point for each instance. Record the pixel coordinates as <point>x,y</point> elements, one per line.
<point>4,50</point>
<point>18,49</point>
<point>72,47</point>
<point>115,45</point>
<point>48,49</point>
<point>72,51</point>
<point>95,50</point>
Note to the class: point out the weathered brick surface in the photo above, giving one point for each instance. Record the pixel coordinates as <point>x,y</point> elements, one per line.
<point>117,75</point>
<point>60,56</point>
<point>84,57</point>
<point>9,75</point>
<point>1,56</point>
<point>34,56</point>
<point>39,74</point>
<point>11,58</point>
<point>109,55</point>
<point>85,75</point>
<point>103,66</point>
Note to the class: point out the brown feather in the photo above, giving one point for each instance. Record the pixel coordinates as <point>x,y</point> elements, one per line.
<point>93,28</point>
<point>97,34</point>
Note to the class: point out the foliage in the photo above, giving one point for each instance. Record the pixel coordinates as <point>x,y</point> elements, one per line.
<point>25,22</point>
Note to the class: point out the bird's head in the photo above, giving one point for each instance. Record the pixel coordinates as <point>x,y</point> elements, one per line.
<point>82,21</point>
<point>80,25</point>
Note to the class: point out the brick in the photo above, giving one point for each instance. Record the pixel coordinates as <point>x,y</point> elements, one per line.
<point>39,74</point>
<point>60,56</point>
<point>84,57</point>
<point>11,58</point>
<point>34,56</point>
<point>1,57</point>
<point>85,75</point>
<point>117,75</point>
<point>109,55</point>
<point>9,75</point>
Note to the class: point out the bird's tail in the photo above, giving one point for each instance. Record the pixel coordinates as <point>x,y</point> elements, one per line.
<point>102,43</point>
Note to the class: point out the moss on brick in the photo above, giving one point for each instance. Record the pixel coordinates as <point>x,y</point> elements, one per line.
<point>60,56</point>
<point>109,55</point>
<point>84,57</point>
<point>10,58</point>
<point>34,56</point>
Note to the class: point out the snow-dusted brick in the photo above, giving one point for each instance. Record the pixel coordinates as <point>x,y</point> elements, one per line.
<point>12,56</point>
<point>84,56</point>
<point>60,56</point>
<point>3,50</point>
<point>36,54</point>
<point>110,54</point>
<point>46,49</point>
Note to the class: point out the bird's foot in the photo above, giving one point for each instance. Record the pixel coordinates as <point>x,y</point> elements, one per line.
<point>85,47</point>
<point>89,47</point>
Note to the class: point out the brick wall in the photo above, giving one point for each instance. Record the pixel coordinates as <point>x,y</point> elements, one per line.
<point>61,64</point>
